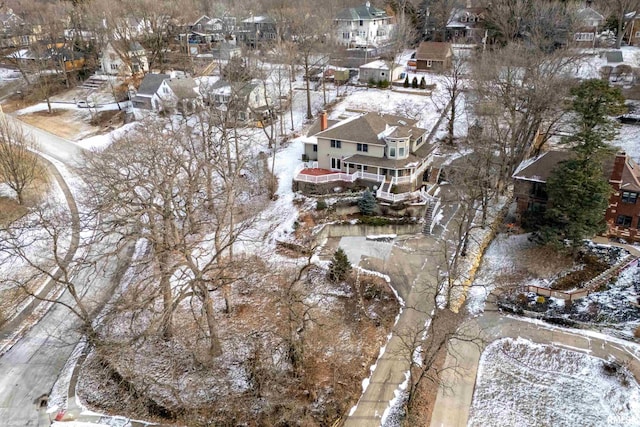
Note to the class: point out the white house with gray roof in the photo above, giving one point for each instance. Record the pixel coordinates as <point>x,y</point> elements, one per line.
<point>363,26</point>
<point>384,149</point>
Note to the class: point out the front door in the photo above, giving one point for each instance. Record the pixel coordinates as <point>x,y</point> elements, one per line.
<point>335,163</point>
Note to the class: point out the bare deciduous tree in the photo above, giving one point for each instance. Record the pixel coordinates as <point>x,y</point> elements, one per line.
<point>19,165</point>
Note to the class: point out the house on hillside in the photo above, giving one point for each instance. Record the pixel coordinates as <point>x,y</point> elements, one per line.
<point>363,27</point>
<point>146,97</point>
<point>15,32</point>
<point>256,30</point>
<point>226,51</point>
<point>178,94</point>
<point>387,152</point>
<point>238,101</point>
<point>116,62</point>
<point>466,24</point>
<point>379,71</point>
<point>434,56</point>
<point>623,213</point>
<point>589,23</point>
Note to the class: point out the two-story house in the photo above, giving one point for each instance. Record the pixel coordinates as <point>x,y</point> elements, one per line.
<point>623,212</point>
<point>588,23</point>
<point>363,26</point>
<point>126,59</point>
<point>382,150</point>
<point>239,101</point>
<point>256,30</point>
<point>466,24</point>
<point>15,32</point>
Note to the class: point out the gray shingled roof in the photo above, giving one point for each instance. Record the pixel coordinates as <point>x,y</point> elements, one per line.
<point>183,88</point>
<point>539,168</point>
<point>361,12</point>
<point>151,83</point>
<point>366,128</point>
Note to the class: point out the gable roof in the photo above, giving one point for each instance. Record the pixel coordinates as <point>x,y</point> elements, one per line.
<point>370,127</point>
<point>363,12</point>
<point>589,14</point>
<point>183,88</point>
<point>151,83</point>
<point>538,169</point>
<point>630,175</point>
<point>431,50</point>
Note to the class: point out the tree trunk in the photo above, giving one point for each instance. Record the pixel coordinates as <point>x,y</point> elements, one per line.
<point>306,72</point>
<point>215,349</point>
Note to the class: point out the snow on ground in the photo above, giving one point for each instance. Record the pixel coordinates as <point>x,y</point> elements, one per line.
<point>627,140</point>
<point>522,383</point>
<point>9,74</point>
<point>42,106</point>
<point>6,191</point>
<point>497,261</point>
<point>99,142</point>
<point>589,66</point>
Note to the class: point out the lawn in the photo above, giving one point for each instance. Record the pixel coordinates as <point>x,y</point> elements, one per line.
<point>521,383</point>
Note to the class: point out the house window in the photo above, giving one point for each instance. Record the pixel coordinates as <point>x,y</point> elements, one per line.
<point>419,141</point>
<point>392,152</point>
<point>361,22</point>
<point>637,34</point>
<point>362,34</point>
<point>629,197</point>
<point>165,90</point>
<point>346,35</point>
<point>315,148</point>
<point>428,63</point>
<point>400,151</point>
<point>381,33</point>
<point>336,144</point>
<point>335,163</point>
<point>584,37</point>
<point>114,66</point>
<point>624,221</point>
<point>363,147</point>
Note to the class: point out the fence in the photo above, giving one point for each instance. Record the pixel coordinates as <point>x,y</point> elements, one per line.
<point>590,286</point>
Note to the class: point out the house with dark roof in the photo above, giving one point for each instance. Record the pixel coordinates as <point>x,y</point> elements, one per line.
<point>178,94</point>
<point>466,24</point>
<point>146,97</point>
<point>386,151</point>
<point>434,56</point>
<point>623,213</point>
<point>256,30</point>
<point>363,26</point>
<point>15,32</point>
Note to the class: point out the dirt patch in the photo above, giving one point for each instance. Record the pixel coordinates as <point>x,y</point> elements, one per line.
<point>108,118</point>
<point>68,124</point>
<point>10,210</point>
<point>592,267</point>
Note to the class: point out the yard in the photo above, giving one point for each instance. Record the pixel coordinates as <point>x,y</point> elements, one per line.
<point>521,383</point>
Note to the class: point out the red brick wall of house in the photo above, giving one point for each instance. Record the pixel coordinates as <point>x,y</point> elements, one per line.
<point>617,207</point>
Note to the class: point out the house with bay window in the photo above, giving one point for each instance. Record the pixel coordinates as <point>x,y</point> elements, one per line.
<point>386,152</point>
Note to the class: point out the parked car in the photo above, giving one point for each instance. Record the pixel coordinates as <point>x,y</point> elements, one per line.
<point>85,104</point>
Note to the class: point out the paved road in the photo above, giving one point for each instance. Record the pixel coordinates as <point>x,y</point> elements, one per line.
<point>30,368</point>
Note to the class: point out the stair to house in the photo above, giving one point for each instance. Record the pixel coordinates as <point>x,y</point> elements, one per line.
<point>93,83</point>
<point>428,217</point>
<point>386,187</point>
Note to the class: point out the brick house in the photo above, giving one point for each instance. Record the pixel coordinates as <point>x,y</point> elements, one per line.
<point>623,212</point>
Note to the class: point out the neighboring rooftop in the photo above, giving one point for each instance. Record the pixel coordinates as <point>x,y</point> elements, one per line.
<point>151,83</point>
<point>430,50</point>
<point>363,12</point>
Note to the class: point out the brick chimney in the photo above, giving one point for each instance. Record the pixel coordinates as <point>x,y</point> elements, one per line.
<point>323,121</point>
<point>618,167</point>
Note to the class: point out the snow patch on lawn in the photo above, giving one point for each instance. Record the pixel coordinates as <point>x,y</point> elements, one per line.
<point>523,383</point>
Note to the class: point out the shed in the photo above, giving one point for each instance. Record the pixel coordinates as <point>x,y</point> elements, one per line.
<point>378,71</point>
